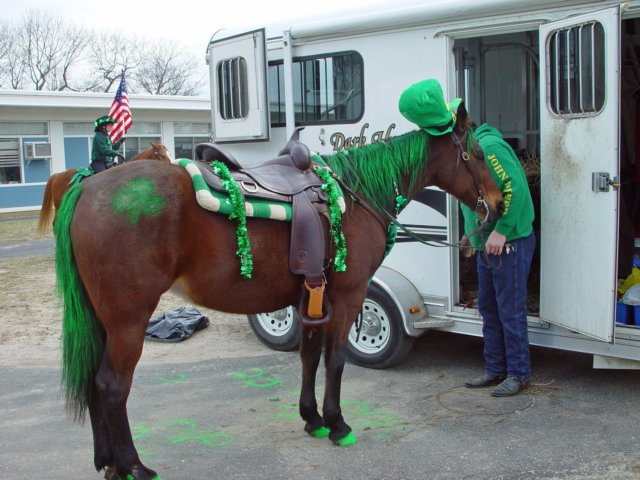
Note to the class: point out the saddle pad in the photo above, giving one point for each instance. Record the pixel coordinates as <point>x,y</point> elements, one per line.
<point>215,201</point>
<point>218,202</point>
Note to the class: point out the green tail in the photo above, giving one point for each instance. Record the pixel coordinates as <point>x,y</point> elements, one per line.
<point>82,336</point>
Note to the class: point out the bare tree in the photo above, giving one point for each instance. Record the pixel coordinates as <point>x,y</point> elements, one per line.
<point>5,45</point>
<point>109,55</point>
<point>48,53</point>
<point>50,48</point>
<point>167,70</point>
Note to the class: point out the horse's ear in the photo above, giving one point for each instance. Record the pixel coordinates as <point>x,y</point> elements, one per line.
<point>462,119</point>
<point>154,145</point>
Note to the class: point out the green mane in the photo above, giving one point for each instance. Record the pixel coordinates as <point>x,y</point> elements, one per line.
<point>376,170</point>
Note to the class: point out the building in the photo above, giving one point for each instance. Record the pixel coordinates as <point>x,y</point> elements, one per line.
<point>42,133</point>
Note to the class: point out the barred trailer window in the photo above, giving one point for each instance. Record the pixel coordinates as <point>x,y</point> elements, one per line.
<point>576,76</point>
<point>233,97</point>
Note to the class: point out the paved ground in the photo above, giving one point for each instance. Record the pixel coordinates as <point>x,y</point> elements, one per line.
<point>236,419</point>
<point>27,249</point>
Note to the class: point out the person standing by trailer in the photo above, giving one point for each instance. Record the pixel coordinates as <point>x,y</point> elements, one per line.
<point>507,248</point>
<point>103,150</point>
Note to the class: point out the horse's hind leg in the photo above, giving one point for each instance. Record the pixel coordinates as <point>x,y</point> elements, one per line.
<point>310,353</point>
<point>113,382</point>
<point>102,452</point>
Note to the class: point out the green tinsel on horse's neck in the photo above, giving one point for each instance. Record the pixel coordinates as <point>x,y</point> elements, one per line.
<point>377,170</point>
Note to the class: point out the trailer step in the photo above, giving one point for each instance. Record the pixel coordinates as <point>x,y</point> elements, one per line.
<point>434,323</point>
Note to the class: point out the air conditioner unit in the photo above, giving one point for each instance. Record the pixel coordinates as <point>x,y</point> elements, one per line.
<point>34,150</point>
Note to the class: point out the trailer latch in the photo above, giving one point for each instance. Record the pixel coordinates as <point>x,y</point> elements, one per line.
<point>601,181</point>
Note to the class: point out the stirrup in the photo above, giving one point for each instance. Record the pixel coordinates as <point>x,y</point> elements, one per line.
<point>311,313</point>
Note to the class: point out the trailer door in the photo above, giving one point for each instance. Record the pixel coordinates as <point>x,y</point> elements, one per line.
<point>238,80</point>
<point>579,65</point>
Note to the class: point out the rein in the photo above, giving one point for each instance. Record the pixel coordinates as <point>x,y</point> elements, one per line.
<point>385,218</point>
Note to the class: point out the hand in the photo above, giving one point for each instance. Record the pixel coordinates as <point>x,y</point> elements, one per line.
<point>123,139</point>
<point>466,248</point>
<point>495,243</point>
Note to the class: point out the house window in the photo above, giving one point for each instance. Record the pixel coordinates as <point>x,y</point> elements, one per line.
<point>576,75</point>
<point>10,171</point>
<point>140,136</point>
<point>13,169</point>
<point>233,96</point>
<point>188,135</point>
<point>326,89</point>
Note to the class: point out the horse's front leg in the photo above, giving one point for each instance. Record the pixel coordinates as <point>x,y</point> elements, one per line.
<point>113,383</point>
<point>335,355</point>
<point>310,353</point>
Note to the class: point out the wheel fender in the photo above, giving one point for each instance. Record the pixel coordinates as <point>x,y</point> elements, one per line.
<point>404,295</point>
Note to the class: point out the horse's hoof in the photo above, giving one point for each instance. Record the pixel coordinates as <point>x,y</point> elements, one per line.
<point>320,432</point>
<point>138,474</point>
<point>142,473</point>
<point>111,474</point>
<point>346,441</point>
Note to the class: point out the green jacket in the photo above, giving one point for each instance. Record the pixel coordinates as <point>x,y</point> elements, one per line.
<point>506,169</point>
<point>103,150</point>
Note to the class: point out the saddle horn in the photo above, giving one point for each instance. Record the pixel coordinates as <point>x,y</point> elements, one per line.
<point>299,152</point>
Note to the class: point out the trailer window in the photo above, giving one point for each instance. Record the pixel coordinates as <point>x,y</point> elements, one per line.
<point>326,89</point>
<point>577,73</point>
<point>233,97</point>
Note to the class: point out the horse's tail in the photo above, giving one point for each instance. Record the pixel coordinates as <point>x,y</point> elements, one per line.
<point>46,212</point>
<point>82,336</point>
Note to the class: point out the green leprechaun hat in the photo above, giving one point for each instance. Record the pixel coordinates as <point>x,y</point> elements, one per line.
<point>423,104</point>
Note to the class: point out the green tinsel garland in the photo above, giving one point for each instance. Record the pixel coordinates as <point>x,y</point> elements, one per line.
<point>335,217</point>
<point>237,203</point>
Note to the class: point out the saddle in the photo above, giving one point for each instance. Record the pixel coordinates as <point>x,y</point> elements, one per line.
<point>287,178</point>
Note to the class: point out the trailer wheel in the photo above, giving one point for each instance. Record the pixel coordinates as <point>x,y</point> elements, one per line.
<point>279,330</point>
<point>382,342</point>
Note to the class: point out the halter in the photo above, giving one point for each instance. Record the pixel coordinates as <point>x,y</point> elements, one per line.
<point>481,202</point>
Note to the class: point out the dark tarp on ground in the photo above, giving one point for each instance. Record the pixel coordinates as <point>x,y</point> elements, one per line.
<point>176,325</point>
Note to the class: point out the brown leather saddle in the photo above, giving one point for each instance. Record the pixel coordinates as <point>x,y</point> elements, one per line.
<point>287,178</point>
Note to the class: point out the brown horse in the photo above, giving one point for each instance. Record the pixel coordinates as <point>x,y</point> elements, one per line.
<point>58,184</point>
<point>167,241</point>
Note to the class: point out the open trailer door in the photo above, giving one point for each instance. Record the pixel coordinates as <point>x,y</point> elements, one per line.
<point>238,80</point>
<point>579,125</point>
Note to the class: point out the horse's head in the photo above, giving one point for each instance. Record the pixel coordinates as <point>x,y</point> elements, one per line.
<point>160,152</point>
<point>468,177</point>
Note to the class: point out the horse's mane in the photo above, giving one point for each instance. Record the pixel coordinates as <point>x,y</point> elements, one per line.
<point>378,170</point>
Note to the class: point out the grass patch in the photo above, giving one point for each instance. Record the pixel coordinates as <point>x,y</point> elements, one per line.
<point>20,230</point>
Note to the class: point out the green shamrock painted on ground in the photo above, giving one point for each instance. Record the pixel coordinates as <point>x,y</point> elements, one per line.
<point>136,198</point>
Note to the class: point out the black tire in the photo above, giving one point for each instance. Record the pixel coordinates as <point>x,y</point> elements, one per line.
<point>279,330</point>
<point>382,342</point>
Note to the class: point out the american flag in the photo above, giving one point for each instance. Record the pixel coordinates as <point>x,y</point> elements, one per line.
<point>120,112</point>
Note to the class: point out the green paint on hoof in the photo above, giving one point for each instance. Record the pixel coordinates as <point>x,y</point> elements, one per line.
<point>320,432</point>
<point>348,440</point>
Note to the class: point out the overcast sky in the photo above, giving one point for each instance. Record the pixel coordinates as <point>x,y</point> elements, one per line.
<point>190,22</point>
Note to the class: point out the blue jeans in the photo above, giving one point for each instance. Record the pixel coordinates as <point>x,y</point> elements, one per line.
<point>502,302</point>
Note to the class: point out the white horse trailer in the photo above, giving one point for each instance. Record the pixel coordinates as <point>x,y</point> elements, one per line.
<point>560,79</point>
